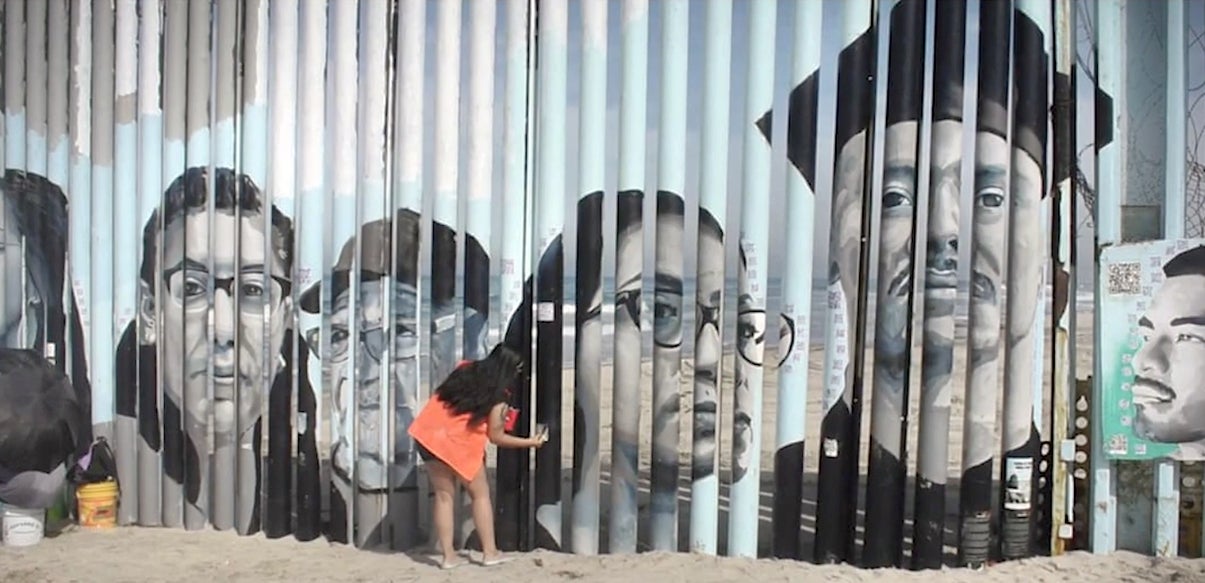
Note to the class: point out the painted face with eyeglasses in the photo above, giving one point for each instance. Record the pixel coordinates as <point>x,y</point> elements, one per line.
<point>377,347</point>
<point>250,298</point>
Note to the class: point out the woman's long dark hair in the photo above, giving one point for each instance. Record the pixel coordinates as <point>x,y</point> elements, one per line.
<point>475,388</point>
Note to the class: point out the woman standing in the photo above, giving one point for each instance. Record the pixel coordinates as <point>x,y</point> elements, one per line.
<point>466,412</point>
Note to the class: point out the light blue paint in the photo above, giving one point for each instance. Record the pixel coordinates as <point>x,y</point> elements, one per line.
<point>713,198</point>
<point>101,250</point>
<point>14,140</point>
<point>667,362</point>
<point>174,158</point>
<point>1111,60</point>
<point>79,196</point>
<point>196,150</point>
<point>1166,529</point>
<point>550,200</point>
<point>58,162</point>
<point>35,152</point>
<point>223,146</point>
<point>791,420</point>
<point>126,230</point>
<point>515,264</point>
<point>254,150</point>
<point>550,143</point>
<point>625,410</point>
<point>755,218</point>
<point>588,361</point>
<point>479,181</point>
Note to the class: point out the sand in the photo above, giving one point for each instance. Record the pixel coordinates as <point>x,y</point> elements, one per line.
<point>149,554</point>
<point>156,554</point>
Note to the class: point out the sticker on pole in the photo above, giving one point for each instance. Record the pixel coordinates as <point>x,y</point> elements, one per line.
<point>1018,483</point>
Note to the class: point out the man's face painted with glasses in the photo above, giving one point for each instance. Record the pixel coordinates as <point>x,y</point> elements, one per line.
<point>376,347</point>
<point>243,295</point>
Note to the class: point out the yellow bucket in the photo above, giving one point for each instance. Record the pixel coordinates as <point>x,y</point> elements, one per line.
<point>97,504</point>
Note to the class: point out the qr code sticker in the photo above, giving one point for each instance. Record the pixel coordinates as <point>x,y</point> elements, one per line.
<point>1125,278</point>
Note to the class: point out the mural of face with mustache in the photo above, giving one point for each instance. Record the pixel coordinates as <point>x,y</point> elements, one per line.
<point>708,348</point>
<point>1169,367</point>
<point>990,196</point>
<point>898,202</point>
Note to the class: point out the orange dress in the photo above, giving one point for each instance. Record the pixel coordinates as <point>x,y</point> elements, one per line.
<point>451,438</point>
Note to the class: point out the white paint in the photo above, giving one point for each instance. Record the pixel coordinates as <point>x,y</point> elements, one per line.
<point>311,98</point>
<point>594,24</point>
<point>633,10</point>
<point>343,72</point>
<point>148,69</point>
<point>410,99</point>
<point>480,167</point>
<point>447,99</point>
<point>81,90</point>
<point>546,311</point>
<point>126,74</point>
<point>834,385</point>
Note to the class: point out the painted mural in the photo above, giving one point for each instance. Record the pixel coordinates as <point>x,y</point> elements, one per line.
<point>254,235</point>
<point>1150,404</point>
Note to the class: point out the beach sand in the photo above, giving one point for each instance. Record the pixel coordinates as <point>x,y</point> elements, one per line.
<point>177,556</point>
<point>155,554</point>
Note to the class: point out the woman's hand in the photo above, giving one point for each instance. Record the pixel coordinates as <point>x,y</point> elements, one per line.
<point>540,438</point>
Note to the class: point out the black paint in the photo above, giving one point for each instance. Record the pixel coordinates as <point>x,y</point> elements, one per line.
<point>886,479</point>
<point>788,500</point>
<point>548,370</point>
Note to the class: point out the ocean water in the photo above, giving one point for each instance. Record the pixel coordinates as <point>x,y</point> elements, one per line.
<point>773,305</point>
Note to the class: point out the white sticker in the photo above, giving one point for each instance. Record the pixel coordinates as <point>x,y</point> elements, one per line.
<point>1018,480</point>
<point>838,330</point>
<point>445,323</point>
<point>546,311</point>
<point>830,447</point>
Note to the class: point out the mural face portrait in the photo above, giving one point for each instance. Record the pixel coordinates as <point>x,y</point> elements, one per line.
<point>898,203</point>
<point>402,348</point>
<point>629,251</point>
<point>990,198</point>
<point>1026,190</point>
<point>186,255</point>
<point>941,275</point>
<point>847,189</point>
<point>750,345</point>
<point>240,272</point>
<point>1169,367</point>
<point>667,300</point>
<point>667,320</point>
<point>708,347</point>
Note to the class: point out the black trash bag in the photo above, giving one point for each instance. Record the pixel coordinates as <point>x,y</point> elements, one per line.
<point>42,421</point>
<point>98,465</point>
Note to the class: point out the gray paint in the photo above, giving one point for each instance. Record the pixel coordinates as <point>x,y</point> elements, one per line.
<point>35,79</point>
<point>175,91</point>
<point>228,477</point>
<point>56,93</point>
<point>197,120</point>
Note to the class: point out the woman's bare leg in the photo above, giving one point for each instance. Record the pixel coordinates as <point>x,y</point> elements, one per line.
<point>483,514</point>
<point>443,483</point>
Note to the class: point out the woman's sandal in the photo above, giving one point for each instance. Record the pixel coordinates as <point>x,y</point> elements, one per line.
<point>496,560</point>
<point>446,566</point>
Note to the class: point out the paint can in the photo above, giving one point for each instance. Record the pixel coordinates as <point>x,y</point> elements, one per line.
<point>97,504</point>
<point>22,527</point>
